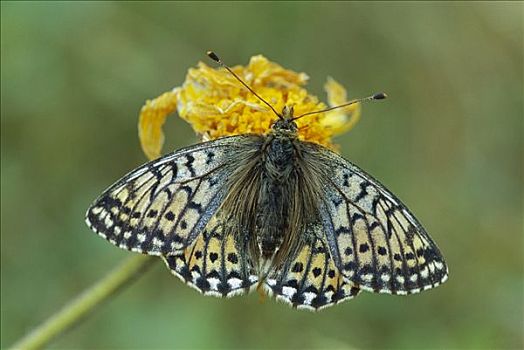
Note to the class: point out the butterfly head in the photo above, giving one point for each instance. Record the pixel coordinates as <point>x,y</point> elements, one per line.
<point>285,124</point>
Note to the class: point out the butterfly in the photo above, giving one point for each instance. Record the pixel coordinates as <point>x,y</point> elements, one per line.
<point>274,212</point>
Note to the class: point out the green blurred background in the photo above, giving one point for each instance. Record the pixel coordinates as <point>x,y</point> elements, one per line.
<point>449,142</point>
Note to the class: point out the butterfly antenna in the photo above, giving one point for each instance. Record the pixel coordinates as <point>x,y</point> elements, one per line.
<point>215,58</point>
<point>377,96</point>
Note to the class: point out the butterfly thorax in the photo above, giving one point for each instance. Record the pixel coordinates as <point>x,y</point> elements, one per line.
<point>280,147</point>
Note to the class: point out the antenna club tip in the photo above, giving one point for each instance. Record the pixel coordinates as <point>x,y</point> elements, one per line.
<point>379,96</point>
<point>213,56</point>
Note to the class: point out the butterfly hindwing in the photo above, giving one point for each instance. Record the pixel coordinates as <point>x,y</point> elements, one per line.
<point>213,264</point>
<point>374,239</point>
<point>311,280</point>
<point>160,207</point>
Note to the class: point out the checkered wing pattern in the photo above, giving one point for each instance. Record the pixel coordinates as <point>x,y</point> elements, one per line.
<point>373,238</point>
<point>310,280</point>
<point>161,207</point>
<point>213,264</point>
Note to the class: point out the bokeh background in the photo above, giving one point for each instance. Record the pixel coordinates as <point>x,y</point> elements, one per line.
<point>449,142</point>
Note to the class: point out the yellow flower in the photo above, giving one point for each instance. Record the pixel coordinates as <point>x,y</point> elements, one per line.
<point>217,105</point>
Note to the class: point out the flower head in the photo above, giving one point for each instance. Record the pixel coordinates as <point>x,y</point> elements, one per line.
<point>217,105</point>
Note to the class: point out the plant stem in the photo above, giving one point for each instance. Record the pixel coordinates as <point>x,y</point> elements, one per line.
<point>85,303</point>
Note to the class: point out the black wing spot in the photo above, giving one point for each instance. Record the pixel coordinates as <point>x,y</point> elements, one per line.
<point>317,271</point>
<point>292,283</point>
<point>410,234</point>
<point>203,284</point>
<point>350,266</point>
<point>213,257</point>
<point>210,157</point>
<point>234,274</point>
<point>373,225</point>
<point>346,177</point>
<point>363,191</point>
<point>232,258</point>
<point>187,189</point>
<point>341,230</point>
<point>357,216</point>
<point>337,202</point>
<point>189,164</point>
<point>196,206</point>
<point>318,301</point>
<point>213,181</point>
<point>319,250</point>
<point>213,274</point>
<point>298,267</point>
<point>177,238</point>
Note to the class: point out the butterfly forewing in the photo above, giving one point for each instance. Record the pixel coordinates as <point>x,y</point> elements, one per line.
<point>161,207</point>
<point>373,238</point>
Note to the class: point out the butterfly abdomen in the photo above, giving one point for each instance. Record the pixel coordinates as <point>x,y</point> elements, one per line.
<point>272,221</point>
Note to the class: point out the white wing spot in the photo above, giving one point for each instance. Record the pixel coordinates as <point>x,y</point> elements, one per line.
<point>108,222</point>
<point>289,291</point>
<point>97,210</point>
<point>308,297</point>
<point>424,273</point>
<point>431,267</point>
<point>367,277</point>
<point>234,283</point>
<point>213,283</point>
<point>157,243</point>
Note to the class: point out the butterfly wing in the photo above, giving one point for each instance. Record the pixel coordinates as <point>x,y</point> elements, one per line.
<point>374,239</point>
<point>310,280</point>
<point>213,264</point>
<point>162,206</point>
